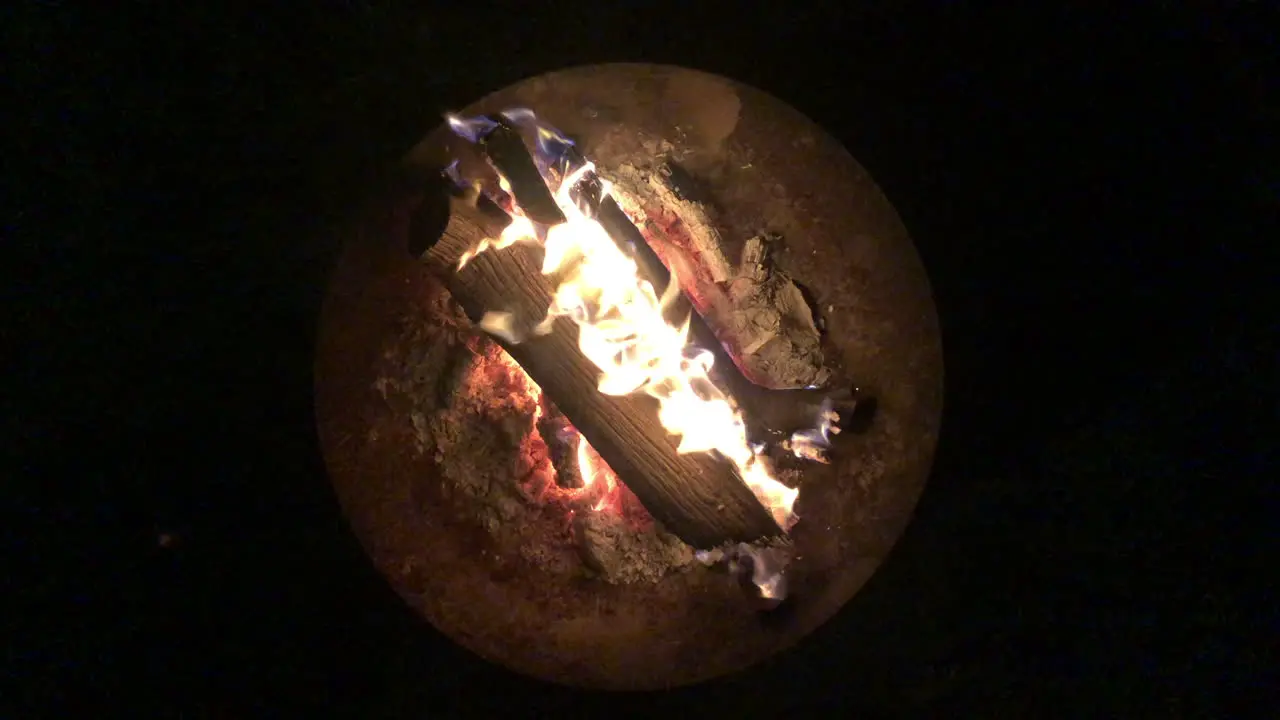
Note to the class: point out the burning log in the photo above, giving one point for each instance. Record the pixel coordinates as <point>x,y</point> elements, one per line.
<point>698,496</point>
<point>770,414</point>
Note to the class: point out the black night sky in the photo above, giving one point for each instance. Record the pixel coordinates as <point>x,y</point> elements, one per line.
<point>1090,194</point>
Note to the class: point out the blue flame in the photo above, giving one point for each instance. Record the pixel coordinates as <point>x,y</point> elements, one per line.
<point>453,174</point>
<point>553,152</point>
<point>820,436</point>
<point>470,129</point>
<point>520,117</point>
<point>552,145</point>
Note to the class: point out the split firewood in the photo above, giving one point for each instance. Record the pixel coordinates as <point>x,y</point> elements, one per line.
<point>699,496</point>
<point>770,414</point>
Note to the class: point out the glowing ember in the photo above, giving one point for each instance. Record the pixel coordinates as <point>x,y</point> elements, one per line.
<point>599,482</point>
<point>520,377</point>
<point>621,325</point>
<point>597,476</point>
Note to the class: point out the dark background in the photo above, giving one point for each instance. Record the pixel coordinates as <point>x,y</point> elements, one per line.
<point>1091,194</point>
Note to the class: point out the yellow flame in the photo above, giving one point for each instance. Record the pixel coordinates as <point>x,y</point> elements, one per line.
<point>623,332</point>
<point>520,230</point>
<point>592,473</point>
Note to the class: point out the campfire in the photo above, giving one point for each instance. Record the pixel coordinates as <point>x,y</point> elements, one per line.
<point>598,424</point>
<point>544,259</point>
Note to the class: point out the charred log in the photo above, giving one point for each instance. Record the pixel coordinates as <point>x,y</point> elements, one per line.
<point>505,149</point>
<point>770,414</point>
<point>698,497</point>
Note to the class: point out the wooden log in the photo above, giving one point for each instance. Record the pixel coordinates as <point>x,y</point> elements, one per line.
<point>699,497</point>
<point>506,150</point>
<point>770,414</point>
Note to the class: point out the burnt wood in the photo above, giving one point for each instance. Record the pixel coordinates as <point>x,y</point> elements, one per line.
<point>505,149</point>
<point>699,497</point>
<point>770,414</point>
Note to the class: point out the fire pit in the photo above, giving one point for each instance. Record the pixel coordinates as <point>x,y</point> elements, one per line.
<point>634,382</point>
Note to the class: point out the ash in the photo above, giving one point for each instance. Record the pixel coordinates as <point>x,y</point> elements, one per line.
<point>772,322</point>
<point>611,547</point>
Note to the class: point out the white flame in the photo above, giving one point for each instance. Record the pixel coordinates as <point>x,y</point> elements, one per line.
<point>520,230</point>
<point>767,565</point>
<point>501,324</point>
<point>591,475</point>
<point>470,128</point>
<point>811,444</point>
<point>623,332</point>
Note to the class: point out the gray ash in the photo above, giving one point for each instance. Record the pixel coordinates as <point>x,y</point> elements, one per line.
<point>611,547</point>
<point>772,321</point>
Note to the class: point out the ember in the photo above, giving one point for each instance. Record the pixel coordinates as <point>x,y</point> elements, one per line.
<point>481,419</point>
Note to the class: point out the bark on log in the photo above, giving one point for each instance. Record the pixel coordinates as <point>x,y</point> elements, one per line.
<point>698,497</point>
<point>505,149</point>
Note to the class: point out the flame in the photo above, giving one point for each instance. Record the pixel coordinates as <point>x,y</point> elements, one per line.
<point>623,332</point>
<point>470,128</point>
<point>552,146</point>
<point>812,444</point>
<point>767,565</point>
<point>520,230</point>
<point>594,471</point>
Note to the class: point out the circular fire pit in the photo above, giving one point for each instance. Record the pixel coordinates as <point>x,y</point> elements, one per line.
<point>438,451</point>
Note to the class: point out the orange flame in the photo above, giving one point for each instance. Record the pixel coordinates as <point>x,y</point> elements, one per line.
<point>595,472</point>
<point>623,332</point>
